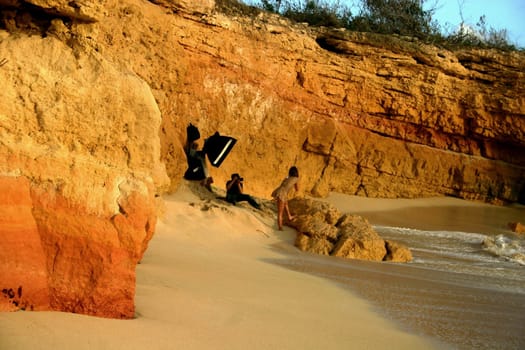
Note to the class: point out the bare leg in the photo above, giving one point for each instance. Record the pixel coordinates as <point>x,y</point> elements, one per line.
<point>290,217</point>
<point>280,210</point>
<point>207,183</point>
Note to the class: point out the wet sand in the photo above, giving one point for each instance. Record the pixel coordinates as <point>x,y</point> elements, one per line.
<point>446,307</point>
<point>460,311</point>
<point>443,213</point>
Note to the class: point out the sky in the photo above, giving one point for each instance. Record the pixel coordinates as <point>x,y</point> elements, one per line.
<point>499,15</point>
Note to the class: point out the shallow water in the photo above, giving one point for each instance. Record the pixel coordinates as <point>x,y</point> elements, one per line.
<point>499,265</point>
<point>461,310</point>
<point>465,287</point>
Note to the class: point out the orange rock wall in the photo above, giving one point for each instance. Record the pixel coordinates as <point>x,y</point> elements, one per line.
<point>91,259</point>
<point>362,114</point>
<point>80,169</point>
<point>23,272</point>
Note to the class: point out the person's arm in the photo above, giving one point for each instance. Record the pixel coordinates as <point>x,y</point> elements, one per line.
<point>232,183</point>
<point>239,183</point>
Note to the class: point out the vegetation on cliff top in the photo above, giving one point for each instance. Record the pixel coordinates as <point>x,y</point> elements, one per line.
<point>392,17</point>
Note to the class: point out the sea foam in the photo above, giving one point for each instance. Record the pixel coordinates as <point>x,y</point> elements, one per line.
<point>457,244</point>
<point>510,248</point>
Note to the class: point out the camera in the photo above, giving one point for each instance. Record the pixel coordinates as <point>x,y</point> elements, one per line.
<point>236,177</point>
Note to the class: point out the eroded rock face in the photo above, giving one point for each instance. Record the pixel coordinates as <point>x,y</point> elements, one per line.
<point>79,144</point>
<point>321,229</point>
<point>188,6</point>
<point>358,113</point>
<point>83,10</point>
<point>23,271</point>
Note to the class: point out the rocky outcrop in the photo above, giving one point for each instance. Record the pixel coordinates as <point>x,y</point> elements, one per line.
<point>80,164</point>
<point>321,229</point>
<point>517,227</point>
<point>96,97</point>
<point>397,252</point>
<point>24,282</point>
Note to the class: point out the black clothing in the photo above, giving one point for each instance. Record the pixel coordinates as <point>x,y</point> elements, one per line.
<point>192,133</point>
<point>196,165</point>
<point>216,148</point>
<point>234,194</point>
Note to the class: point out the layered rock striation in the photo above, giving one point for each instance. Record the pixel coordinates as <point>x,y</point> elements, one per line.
<point>96,97</point>
<point>358,113</point>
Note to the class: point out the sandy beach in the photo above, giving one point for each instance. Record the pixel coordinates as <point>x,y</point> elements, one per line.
<point>217,276</point>
<point>456,290</point>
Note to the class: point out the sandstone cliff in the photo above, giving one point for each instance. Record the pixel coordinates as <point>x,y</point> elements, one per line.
<point>79,170</point>
<point>96,97</point>
<point>359,114</point>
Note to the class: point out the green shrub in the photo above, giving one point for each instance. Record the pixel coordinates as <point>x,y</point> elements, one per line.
<point>401,17</point>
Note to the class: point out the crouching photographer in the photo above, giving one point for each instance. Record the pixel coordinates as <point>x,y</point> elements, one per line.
<point>234,191</point>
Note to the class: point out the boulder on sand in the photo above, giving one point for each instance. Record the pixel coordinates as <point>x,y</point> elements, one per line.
<point>322,229</point>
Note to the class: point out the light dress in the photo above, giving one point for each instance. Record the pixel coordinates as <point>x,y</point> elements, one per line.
<point>282,191</point>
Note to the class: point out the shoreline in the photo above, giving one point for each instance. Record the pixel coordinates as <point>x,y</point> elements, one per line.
<point>208,281</point>
<point>465,309</point>
<point>434,213</point>
<point>217,276</point>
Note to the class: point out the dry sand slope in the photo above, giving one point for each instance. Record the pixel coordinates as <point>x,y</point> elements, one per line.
<point>206,283</point>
